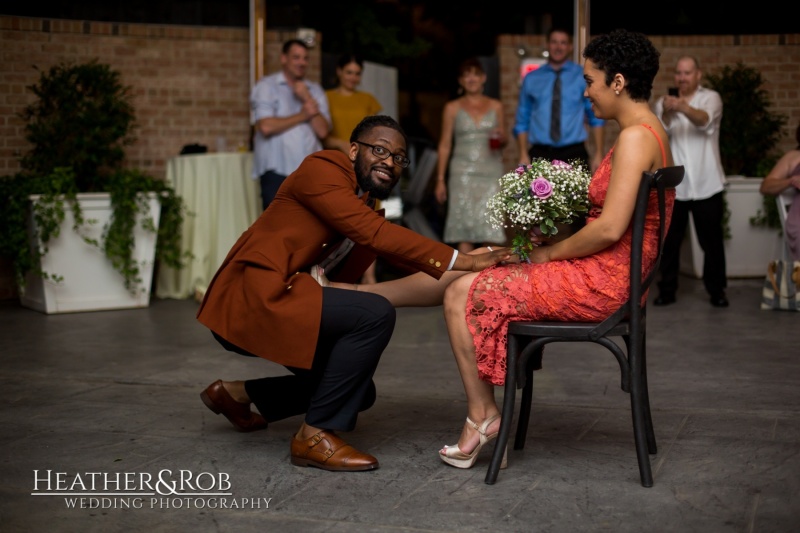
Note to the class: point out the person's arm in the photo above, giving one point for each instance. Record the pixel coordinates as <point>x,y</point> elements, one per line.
<point>310,113</point>
<point>633,154</point>
<point>779,179</point>
<point>696,116</point>
<point>522,147</point>
<point>497,105</point>
<point>522,121</point>
<point>444,149</point>
<point>270,126</point>
<point>708,108</point>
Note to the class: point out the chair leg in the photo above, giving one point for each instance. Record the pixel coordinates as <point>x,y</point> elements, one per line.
<point>648,419</point>
<point>507,412</point>
<point>639,430</point>
<point>523,420</point>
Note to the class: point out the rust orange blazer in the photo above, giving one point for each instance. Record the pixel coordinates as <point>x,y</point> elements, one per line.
<point>262,298</point>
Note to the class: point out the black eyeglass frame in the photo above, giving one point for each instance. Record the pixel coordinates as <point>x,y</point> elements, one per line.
<point>399,160</point>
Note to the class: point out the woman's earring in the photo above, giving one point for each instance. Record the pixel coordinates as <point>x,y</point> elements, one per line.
<point>616,91</point>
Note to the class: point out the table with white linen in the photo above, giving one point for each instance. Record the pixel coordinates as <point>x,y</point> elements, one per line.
<point>222,201</point>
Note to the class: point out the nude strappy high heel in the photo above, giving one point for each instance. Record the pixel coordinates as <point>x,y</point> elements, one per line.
<point>453,455</point>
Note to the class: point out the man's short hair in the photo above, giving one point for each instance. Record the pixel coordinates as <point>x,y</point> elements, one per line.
<point>291,42</point>
<point>373,121</point>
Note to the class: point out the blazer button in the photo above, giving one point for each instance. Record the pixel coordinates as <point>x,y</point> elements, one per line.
<point>438,264</point>
<point>324,244</point>
<point>430,261</point>
<point>288,287</point>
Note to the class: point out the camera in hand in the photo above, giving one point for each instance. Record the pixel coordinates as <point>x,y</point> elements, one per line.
<point>673,91</point>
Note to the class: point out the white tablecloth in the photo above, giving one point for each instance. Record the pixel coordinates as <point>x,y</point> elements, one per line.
<point>223,200</point>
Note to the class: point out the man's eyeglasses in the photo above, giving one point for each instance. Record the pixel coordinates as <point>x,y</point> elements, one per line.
<point>383,153</point>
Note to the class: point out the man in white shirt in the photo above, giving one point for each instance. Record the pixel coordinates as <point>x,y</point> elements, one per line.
<point>291,119</point>
<point>692,120</point>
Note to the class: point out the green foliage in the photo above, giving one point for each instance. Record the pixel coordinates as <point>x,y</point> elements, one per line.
<point>83,118</point>
<point>78,128</point>
<point>767,216</point>
<point>48,213</point>
<point>128,199</point>
<point>749,131</point>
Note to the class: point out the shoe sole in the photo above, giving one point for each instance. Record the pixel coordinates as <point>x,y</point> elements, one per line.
<point>297,461</point>
<point>470,460</point>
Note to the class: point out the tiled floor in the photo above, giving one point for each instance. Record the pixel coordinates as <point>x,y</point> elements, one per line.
<point>117,392</point>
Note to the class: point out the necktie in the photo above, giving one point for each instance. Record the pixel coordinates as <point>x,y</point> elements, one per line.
<point>555,112</point>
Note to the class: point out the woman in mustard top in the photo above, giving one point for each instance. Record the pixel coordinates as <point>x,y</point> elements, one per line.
<point>348,106</point>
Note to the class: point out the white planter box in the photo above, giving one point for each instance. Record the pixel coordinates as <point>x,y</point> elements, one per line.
<point>89,282</point>
<point>750,248</point>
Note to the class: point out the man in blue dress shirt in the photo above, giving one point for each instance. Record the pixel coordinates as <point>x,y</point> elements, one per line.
<point>291,119</point>
<point>565,137</point>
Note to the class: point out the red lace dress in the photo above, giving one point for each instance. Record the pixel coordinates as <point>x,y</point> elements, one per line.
<point>583,289</point>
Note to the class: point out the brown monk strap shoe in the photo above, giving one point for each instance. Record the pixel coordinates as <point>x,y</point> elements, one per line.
<point>327,451</point>
<point>218,400</point>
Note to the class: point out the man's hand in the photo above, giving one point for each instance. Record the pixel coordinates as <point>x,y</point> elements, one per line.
<point>300,90</point>
<point>477,261</point>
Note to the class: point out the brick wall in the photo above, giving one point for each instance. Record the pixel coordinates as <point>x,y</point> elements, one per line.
<point>191,84</point>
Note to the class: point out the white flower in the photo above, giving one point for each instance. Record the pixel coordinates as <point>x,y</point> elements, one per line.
<point>538,197</point>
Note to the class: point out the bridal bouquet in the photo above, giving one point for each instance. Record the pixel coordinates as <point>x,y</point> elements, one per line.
<point>538,197</point>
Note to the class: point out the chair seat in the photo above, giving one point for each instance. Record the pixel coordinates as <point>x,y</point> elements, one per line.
<point>566,330</point>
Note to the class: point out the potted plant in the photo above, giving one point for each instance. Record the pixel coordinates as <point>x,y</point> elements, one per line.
<point>78,128</point>
<point>749,134</point>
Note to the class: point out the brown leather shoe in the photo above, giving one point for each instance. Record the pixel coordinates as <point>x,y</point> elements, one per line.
<point>218,400</point>
<point>327,451</point>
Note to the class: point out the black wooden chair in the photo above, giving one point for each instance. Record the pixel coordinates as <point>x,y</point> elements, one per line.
<point>526,341</point>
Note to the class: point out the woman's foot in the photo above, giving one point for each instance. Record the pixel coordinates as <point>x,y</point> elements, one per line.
<point>473,438</point>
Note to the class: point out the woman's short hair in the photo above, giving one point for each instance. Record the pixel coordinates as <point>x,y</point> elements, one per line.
<point>630,54</point>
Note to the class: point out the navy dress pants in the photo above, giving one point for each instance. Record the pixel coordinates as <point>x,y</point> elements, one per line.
<point>355,329</point>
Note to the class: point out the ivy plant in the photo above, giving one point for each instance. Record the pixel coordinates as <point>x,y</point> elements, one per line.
<point>78,127</point>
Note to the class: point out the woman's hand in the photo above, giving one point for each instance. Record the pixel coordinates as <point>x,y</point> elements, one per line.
<point>440,192</point>
<point>564,231</point>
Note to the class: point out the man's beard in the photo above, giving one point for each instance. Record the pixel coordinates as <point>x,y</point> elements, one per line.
<point>378,191</point>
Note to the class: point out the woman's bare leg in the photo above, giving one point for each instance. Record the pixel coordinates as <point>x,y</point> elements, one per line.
<point>480,395</point>
<point>415,290</point>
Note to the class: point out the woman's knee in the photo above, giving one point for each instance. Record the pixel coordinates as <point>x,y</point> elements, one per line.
<point>455,295</point>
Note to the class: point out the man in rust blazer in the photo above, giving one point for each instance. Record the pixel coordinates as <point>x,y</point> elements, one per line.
<point>264,302</point>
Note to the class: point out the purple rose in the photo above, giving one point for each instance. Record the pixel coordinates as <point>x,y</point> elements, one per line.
<point>557,163</point>
<point>520,170</point>
<point>541,188</point>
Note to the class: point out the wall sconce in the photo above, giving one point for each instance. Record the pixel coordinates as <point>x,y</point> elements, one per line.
<point>308,36</point>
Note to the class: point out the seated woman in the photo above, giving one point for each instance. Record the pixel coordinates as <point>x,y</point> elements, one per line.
<point>583,277</point>
<point>784,175</point>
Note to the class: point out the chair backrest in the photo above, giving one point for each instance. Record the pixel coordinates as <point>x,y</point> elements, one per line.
<point>660,180</point>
